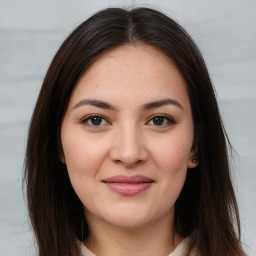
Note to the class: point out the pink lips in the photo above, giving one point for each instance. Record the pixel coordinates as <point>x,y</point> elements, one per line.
<point>128,186</point>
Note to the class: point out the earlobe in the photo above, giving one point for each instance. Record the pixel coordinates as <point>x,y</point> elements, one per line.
<point>61,154</point>
<point>193,162</point>
<point>62,157</point>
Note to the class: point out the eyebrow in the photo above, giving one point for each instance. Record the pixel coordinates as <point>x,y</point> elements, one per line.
<point>95,103</point>
<point>147,106</point>
<point>160,103</point>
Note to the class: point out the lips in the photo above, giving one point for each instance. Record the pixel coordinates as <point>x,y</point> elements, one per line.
<point>128,185</point>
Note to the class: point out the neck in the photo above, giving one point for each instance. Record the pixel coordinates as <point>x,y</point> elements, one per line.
<point>153,239</point>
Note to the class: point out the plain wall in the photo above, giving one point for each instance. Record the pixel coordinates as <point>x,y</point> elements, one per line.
<point>31,32</point>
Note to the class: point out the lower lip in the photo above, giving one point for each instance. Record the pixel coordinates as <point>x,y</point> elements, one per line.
<point>129,189</point>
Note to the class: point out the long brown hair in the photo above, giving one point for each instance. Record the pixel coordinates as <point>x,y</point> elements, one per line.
<point>206,209</point>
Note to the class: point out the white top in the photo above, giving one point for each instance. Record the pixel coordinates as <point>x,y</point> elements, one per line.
<point>179,251</point>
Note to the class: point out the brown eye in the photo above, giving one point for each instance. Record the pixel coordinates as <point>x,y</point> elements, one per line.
<point>94,120</point>
<point>159,120</point>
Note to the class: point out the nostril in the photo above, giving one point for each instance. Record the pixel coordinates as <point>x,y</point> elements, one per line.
<point>129,164</point>
<point>128,149</point>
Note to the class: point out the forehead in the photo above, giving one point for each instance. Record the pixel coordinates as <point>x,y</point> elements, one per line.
<point>136,71</point>
<point>139,59</point>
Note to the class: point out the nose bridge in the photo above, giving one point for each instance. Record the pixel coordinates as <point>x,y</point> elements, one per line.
<point>128,147</point>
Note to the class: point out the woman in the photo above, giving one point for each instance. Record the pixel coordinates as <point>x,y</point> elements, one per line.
<point>126,150</point>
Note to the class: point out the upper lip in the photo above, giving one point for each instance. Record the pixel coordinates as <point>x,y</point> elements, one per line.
<point>128,179</point>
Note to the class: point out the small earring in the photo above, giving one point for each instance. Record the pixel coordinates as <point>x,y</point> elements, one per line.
<point>194,160</point>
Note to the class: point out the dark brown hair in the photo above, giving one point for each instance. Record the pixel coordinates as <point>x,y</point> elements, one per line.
<point>206,209</point>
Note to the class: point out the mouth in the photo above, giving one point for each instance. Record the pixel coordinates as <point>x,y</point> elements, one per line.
<point>128,185</point>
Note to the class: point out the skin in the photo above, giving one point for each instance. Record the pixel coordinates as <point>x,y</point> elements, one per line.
<point>127,140</point>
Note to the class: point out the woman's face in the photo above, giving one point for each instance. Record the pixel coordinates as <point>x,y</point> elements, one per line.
<point>127,136</point>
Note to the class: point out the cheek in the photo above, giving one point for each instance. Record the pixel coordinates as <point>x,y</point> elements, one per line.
<point>172,154</point>
<point>83,160</point>
<point>171,158</point>
<point>82,156</point>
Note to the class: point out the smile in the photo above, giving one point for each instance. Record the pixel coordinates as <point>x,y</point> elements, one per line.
<point>128,186</point>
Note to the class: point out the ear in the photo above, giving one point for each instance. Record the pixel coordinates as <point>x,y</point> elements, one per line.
<point>62,158</point>
<point>193,160</point>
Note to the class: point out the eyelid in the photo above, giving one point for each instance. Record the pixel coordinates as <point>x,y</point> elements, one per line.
<point>87,117</point>
<point>169,118</point>
<point>84,120</point>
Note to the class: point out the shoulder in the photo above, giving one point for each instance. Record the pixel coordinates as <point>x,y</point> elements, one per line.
<point>183,248</point>
<point>180,250</point>
<point>85,251</point>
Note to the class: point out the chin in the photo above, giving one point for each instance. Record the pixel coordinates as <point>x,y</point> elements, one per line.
<point>130,223</point>
<point>130,219</point>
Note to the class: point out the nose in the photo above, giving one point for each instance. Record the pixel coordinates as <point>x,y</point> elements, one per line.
<point>128,147</point>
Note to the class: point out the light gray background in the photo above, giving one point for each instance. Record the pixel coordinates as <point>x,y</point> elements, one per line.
<point>30,33</point>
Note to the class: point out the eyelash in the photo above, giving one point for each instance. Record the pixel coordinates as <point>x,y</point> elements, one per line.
<point>86,119</point>
<point>167,120</point>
